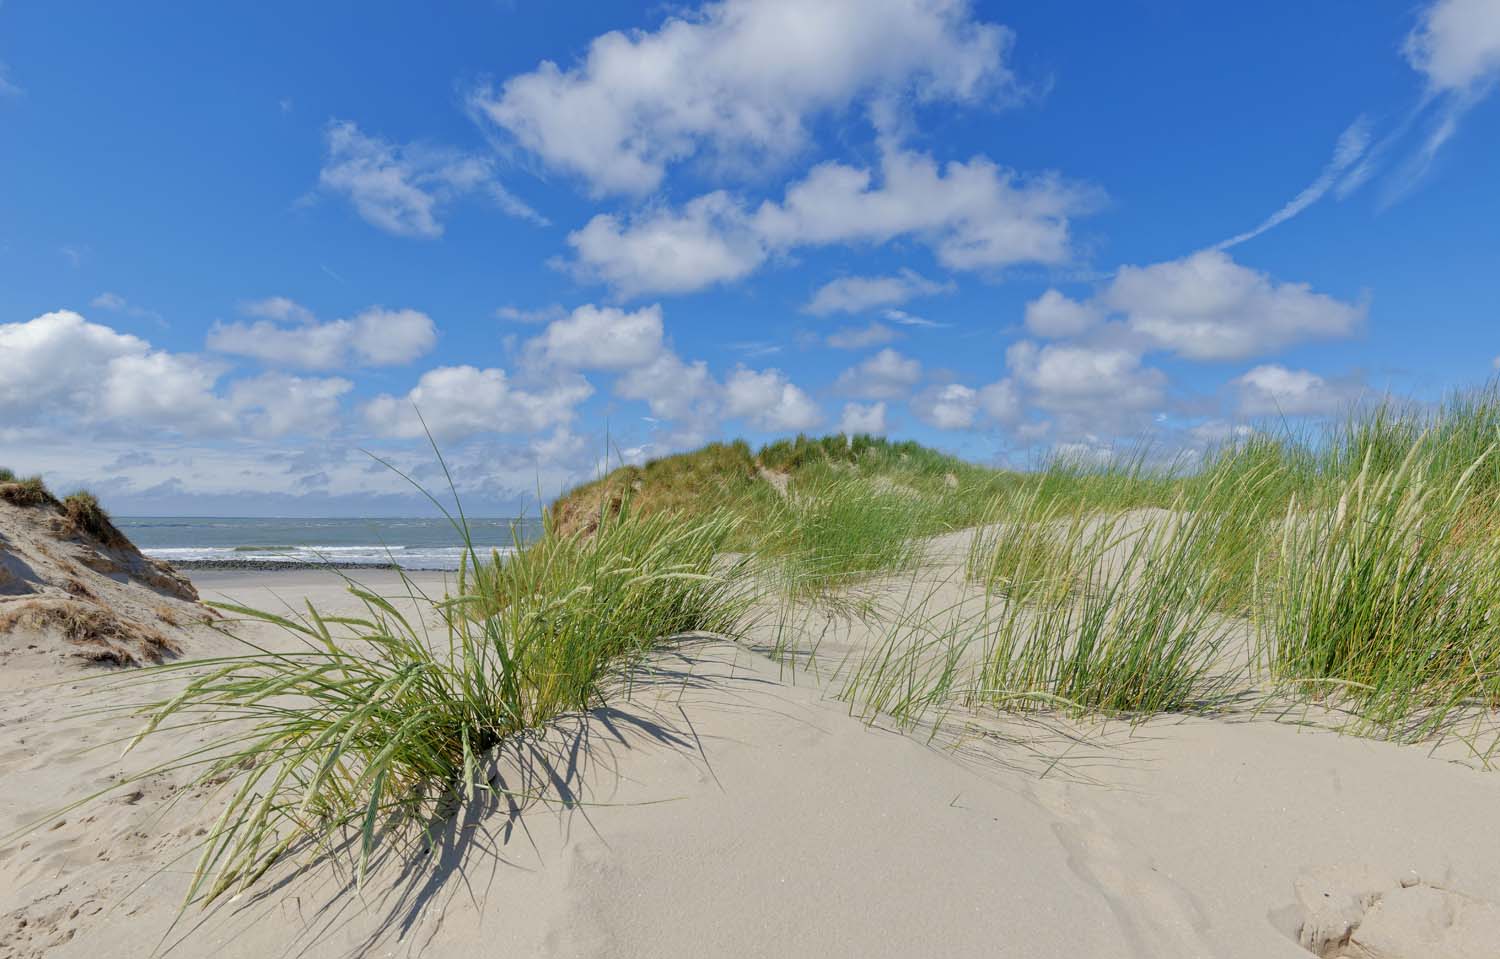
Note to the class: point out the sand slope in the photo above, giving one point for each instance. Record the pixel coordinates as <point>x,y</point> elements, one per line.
<point>724,809</point>
<point>81,594</point>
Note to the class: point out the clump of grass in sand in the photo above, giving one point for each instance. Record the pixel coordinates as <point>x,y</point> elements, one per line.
<point>834,530</point>
<point>86,515</point>
<point>1120,621</point>
<point>376,721</point>
<point>30,491</point>
<point>1387,593</point>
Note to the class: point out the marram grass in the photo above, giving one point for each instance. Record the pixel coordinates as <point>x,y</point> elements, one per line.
<point>1386,599</point>
<point>380,719</point>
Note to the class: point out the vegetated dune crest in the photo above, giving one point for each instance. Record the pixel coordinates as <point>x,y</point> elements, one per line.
<point>72,585</point>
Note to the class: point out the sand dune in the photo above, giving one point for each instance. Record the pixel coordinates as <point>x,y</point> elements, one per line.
<point>731,807</point>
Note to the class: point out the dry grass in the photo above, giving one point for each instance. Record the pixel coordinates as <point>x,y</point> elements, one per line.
<point>100,635</point>
<point>30,491</point>
<point>87,517</point>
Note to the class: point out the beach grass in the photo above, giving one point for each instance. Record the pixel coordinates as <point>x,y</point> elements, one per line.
<point>380,719</point>
<point>1385,598</point>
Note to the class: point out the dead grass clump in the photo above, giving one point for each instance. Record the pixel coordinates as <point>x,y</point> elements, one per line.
<point>86,516</point>
<point>77,587</point>
<point>25,492</point>
<point>100,635</point>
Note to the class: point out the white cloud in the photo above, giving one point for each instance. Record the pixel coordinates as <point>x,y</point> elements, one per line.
<point>61,368</point>
<point>601,338</point>
<point>460,401</point>
<point>545,314</point>
<point>289,334</point>
<point>738,81</point>
<point>974,215</point>
<point>863,418</point>
<point>169,389</point>
<point>402,189</point>
<point>116,303</point>
<point>769,401</point>
<point>861,337</point>
<point>1456,46</point>
<point>1207,307</point>
<point>906,319</point>
<point>1272,390</point>
<point>1000,402</point>
<point>673,390</point>
<point>856,294</point>
<point>950,407</point>
<point>1054,316</point>
<point>1340,171</point>
<point>887,375</point>
<point>280,309</point>
<point>661,251</point>
<point>1086,381</point>
<point>278,404</point>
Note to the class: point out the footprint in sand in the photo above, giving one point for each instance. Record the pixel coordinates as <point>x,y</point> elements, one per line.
<point>1362,913</point>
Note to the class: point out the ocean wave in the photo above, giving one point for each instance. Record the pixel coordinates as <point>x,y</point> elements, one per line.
<point>406,557</point>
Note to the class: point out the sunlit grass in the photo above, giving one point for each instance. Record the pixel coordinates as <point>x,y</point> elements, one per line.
<point>1386,597</point>
<point>379,719</point>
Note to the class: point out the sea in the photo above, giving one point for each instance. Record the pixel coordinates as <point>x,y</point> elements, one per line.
<point>417,543</point>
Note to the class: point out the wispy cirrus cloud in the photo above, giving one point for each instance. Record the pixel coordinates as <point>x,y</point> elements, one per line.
<point>403,189</point>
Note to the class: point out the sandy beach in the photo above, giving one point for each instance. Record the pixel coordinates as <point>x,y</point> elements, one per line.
<point>731,806</point>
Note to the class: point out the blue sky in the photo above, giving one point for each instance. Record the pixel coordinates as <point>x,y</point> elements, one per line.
<point>240,249</point>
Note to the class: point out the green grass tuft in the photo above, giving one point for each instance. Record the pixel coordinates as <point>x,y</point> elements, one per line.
<point>374,723</point>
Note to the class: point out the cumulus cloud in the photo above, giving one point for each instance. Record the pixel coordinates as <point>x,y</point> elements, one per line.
<point>1272,390</point>
<point>287,333</point>
<point>61,367</point>
<point>887,375</point>
<point>857,294</point>
<point>974,215</point>
<point>1456,44</point>
<point>671,388</point>
<point>1102,384</point>
<point>601,338</point>
<point>769,401</point>
<point>460,401</point>
<point>402,189</point>
<point>738,81</point>
<point>863,418</point>
<point>1207,307</point>
<point>278,404</point>
<point>1000,402</point>
<point>861,337</point>
<point>949,407</point>
<point>1055,316</point>
<point>664,251</point>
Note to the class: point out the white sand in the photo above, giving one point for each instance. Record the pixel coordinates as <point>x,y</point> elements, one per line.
<point>726,810</point>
